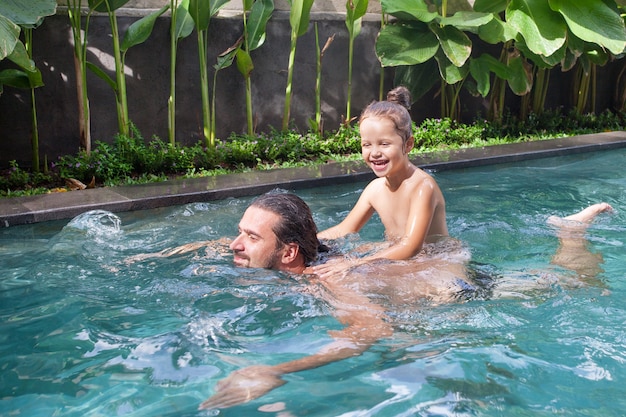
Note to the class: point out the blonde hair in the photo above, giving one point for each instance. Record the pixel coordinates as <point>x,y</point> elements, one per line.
<point>395,108</point>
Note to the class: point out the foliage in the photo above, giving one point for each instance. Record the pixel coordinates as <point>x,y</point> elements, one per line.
<point>201,13</point>
<point>299,20</point>
<point>14,16</point>
<point>428,45</point>
<point>181,26</point>
<point>16,178</point>
<point>445,132</point>
<point>553,122</point>
<point>136,34</point>
<point>355,10</point>
<point>256,14</point>
<point>132,159</point>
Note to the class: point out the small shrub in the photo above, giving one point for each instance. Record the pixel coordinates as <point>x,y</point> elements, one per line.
<point>433,133</point>
<point>131,160</point>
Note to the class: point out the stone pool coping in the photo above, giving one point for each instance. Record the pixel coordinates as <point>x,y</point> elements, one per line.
<point>65,205</point>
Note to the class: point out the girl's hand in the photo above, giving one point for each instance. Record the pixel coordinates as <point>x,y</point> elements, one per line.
<point>334,267</point>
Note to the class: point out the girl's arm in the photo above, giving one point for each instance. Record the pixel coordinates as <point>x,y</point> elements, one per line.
<point>354,221</point>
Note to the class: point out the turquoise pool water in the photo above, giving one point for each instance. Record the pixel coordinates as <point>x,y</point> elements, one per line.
<point>84,333</point>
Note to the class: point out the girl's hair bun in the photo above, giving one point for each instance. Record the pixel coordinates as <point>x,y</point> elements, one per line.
<point>400,95</point>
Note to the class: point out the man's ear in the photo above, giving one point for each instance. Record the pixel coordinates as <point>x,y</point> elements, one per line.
<point>292,250</point>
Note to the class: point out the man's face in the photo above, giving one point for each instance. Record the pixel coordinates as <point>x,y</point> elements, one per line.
<point>256,246</point>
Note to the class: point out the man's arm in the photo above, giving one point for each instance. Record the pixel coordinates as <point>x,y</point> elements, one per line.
<point>364,326</point>
<point>179,250</point>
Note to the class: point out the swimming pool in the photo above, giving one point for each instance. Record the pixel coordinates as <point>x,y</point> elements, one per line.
<point>85,333</point>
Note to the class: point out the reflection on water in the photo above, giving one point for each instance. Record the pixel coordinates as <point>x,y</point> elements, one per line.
<point>86,333</point>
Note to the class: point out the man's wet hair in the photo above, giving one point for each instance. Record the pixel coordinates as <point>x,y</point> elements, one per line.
<point>296,225</point>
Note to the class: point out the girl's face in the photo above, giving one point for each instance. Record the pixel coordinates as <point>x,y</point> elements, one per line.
<point>381,146</point>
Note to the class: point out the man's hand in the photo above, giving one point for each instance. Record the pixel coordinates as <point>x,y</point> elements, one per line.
<point>242,386</point>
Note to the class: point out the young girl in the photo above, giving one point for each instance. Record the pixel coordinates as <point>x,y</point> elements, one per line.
<point>407,199</point>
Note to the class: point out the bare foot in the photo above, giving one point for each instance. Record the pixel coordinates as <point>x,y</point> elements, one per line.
<point>588,214</point>
<point>585,216</point>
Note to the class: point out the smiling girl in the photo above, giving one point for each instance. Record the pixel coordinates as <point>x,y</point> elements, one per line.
<point>408,200</point>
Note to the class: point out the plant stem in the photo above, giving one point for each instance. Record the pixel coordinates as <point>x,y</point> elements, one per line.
<point>350,59</point>
<point>122,106</point>
<point>28,36</point>
<point>80,65</point>
<point>318,82</point>
<point>204,88</point>
<point>288,91</point>
<point>171,102</point>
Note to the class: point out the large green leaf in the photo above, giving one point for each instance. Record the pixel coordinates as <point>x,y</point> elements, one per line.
<point>244,63</point>
<point>520,80</point>
<point>20,57</point>
<point>184,24</point>
<point>490,6</point>
<point>544,30</point>
<point>102,75</point>
<point>497,31</point>
<point>404,44</point>
<point>355,10</point>
<point>141,29</point>
<point>14,78</point>
<point>450,72</point>
<point>569,61</point>
<point>455,6</point>
<point>203,10</point>
<point>469,21</point>
<point>9,36</point>
<point>299,15</point>
<point>539,60</point>
<point>409,10</point>
<point>419,79</point>
<point>454,43</point>
<point>596,21</point>
<point>479,69</point>
<point>259,15</point>
<point>27,13</point>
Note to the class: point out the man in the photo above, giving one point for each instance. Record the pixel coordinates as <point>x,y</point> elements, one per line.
<point>277,231</point>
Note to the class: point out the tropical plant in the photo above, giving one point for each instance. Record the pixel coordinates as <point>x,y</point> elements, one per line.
<point>299,20</point>
<point>355,10</point>
<point>253,37</point>
<point>544,33</point>
<point>201,12</point>
<point>181,26</point>
<point>316,124</point>
<point>137,33</point>
<point>13,16</point>
<point>79,35</point>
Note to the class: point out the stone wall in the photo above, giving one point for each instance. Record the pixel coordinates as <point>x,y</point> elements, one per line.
<point>147,71</point>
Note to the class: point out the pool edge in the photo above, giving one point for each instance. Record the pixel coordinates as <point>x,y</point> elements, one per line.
<point>65,205</point>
